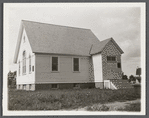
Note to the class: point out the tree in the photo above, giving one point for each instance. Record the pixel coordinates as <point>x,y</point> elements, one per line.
<point>125,77</point>
<point>132,78</point>
<point>11,78</point>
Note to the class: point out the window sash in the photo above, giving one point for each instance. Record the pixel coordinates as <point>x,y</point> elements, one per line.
<point>30,86</point>
<point>111,58</point>
<point>19,68</point>
<point>29,64</point>
<point>54,63</point>
<point>54,86</point>
<point>29,68</point>
<point>24,86</point>
<point>75,64</point>
<point>119,65</point>
<point>33,68</point>
<point>24,62</point>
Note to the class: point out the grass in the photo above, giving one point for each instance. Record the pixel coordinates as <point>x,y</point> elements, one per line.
<point>98,108</point>
<point>132,107</point>
<point>66,98</point>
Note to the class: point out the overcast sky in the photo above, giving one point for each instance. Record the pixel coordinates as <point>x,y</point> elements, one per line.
<point>120,22</point>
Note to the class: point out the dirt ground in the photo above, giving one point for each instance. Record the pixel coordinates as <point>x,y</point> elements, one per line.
<point>112,106</point>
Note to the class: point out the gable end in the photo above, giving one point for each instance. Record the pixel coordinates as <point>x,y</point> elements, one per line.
<point>115,45</point>
<point>20,38</point>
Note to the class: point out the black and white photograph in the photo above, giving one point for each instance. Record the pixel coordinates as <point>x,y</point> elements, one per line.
<point>74,59</point>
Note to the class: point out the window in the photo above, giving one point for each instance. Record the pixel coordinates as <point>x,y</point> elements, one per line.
<point>111,58</point>
<point>29,64</point>
<point>119,65</point>
<point>33,68</point>
<point>24,62</point>
<point>75,85</point>
<point>75,64</point>
<point>54,86</point>
<point>19,68</point>
<point>24,86</point>
<point>30,86</point>
<point>54,63</point>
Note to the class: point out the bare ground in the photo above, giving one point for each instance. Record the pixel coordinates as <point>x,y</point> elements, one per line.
<point>112,106</point>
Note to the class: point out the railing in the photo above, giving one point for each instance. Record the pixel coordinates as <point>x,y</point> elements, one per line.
<point>113,86</point>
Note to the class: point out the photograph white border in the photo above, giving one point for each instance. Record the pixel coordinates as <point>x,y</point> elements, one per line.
<point>6,112</point>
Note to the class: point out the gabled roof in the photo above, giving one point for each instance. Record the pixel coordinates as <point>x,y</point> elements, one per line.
<point>56,39</point>
<point>97,48</point>
<point>48,38</point>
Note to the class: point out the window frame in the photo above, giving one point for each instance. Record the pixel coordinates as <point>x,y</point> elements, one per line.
<point>33,68</point>
<point>73,64</point>
<point>111,60</point>
<point>58,67</point>
<point>30,64</point>
<point>24,63</point>
<point>76,85</point>
<point>30,86</point>
<point>57,86</point>
<point>24,86</point>
<point>119,65</point>
<point>19,69</point>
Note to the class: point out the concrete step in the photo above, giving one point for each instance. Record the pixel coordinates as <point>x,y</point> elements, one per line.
<point>121,84</point>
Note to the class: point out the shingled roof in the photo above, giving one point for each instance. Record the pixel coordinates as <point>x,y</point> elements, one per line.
<point>47,38</point>
<point>97,48</point>
<point>56,39</point>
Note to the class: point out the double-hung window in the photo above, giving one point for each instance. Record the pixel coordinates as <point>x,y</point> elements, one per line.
<point>29,64</point>
<point>24,86</point>
<point>54,63</point>
<point>30,86</point>
<point>19,68</point>
<point>75,64</point>
<point>111,58</point>
<point>24,62</point>
<point>33,68</point>
<point>119,65</point>
<point>54,86</point>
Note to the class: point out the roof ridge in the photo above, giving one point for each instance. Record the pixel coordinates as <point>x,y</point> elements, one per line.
<point>104,40</point>
<point>107,39</point>
<point>102,44</point>
<point>56,25</point>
